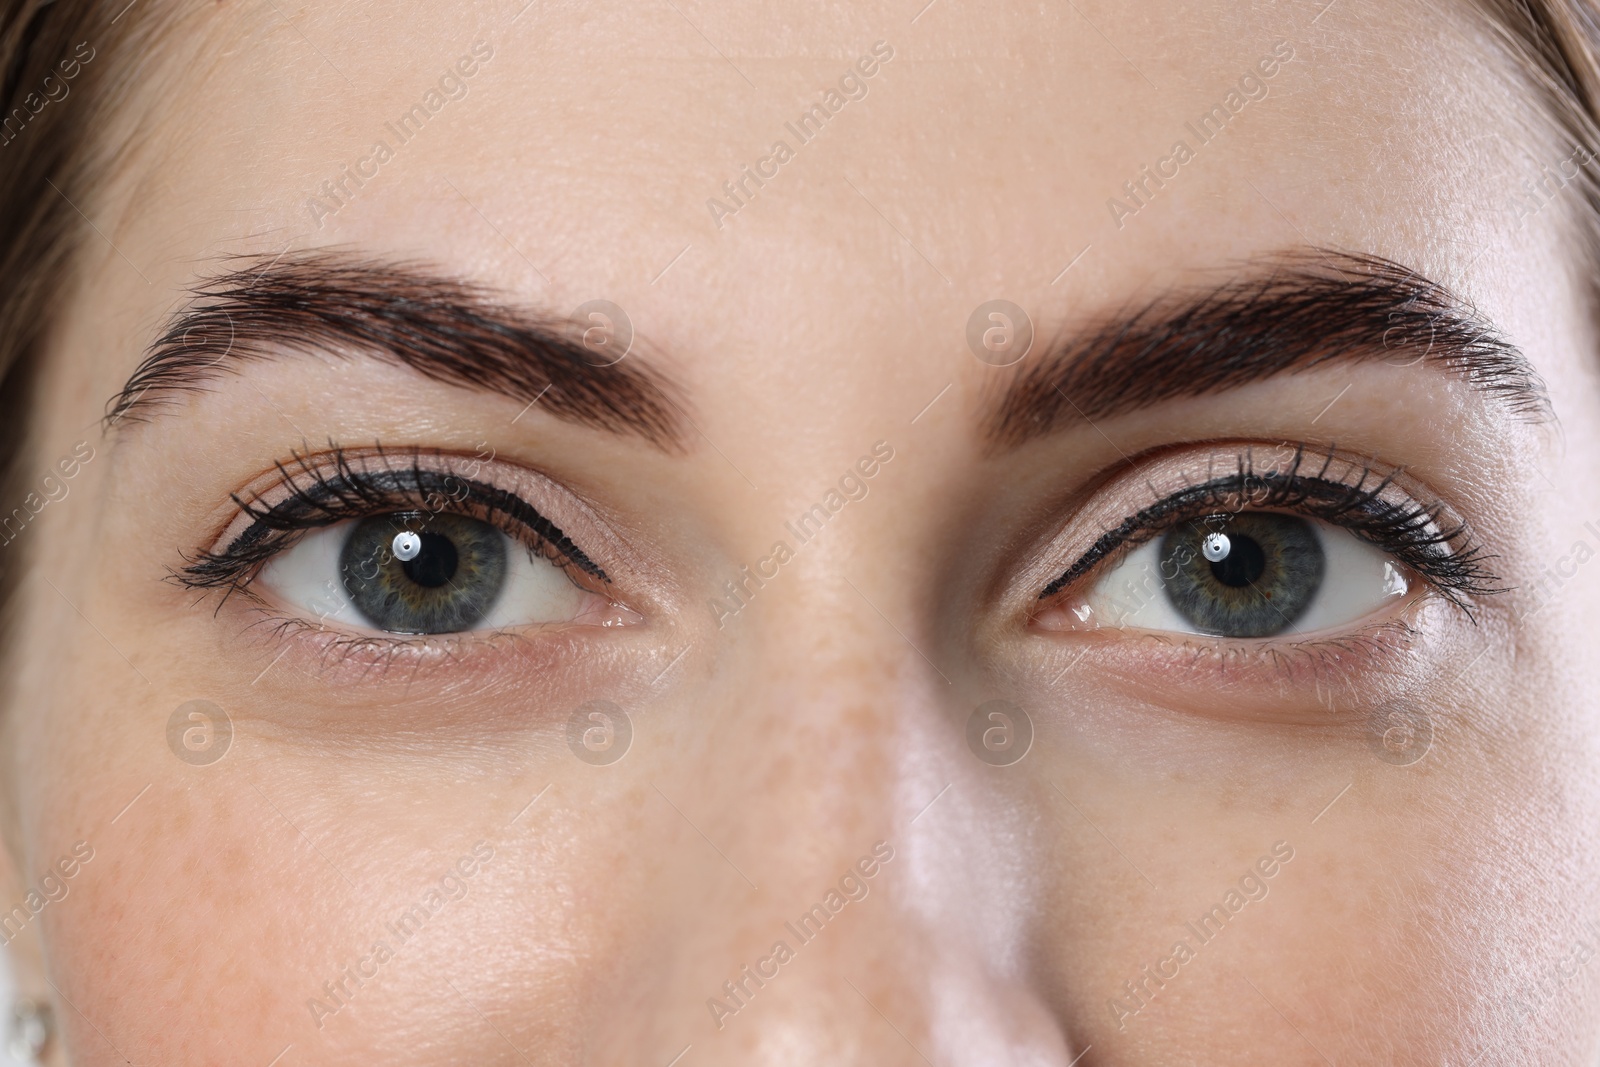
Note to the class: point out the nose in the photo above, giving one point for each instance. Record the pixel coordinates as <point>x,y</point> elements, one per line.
<point>848,885</point>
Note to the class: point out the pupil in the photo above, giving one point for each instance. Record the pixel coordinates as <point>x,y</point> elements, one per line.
<point>1243,565</point>
<point>435,564</point>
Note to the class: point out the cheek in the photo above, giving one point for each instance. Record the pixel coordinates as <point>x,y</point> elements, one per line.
<point>161,916</point>
<point>1398,860</point>
<point>245,889</point>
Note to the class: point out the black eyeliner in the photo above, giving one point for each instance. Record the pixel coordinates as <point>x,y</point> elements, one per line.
<point>322,494</point>
<point>1409,531</point>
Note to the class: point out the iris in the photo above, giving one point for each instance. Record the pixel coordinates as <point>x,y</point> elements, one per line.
<point>1253,577</point>
<point>448,583</point>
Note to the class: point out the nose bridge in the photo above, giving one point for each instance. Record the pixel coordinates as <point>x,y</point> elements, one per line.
<point>845,718</point>
<point>818,708</point>
<point>840,688</point>
<point>876,916</point>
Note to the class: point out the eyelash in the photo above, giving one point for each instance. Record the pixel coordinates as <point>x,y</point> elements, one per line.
<point>1409,531</point>
<point>343,487</point>
<point>340,487</point>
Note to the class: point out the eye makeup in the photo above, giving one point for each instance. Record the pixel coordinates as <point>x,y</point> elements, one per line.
<point>417,488</point>
<point>1343,492</point>
<point>1273,508</point>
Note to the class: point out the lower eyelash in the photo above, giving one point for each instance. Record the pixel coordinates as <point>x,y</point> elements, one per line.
<point>324,493</point>
<point>1409,531</point>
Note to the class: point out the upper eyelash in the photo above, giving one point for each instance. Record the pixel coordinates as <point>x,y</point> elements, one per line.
<point>342,487</point>
<point>1410,532</point>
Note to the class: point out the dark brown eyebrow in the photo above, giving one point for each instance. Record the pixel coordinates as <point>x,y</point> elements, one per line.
<point>334,302</point>
<point>1294,312</point>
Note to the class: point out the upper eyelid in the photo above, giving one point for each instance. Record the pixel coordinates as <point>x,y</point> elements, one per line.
<point>1456,571</point>
<point>338,473</point>
<point>1132,525</point>
<point>1136,531</point>
<point>503,500</point>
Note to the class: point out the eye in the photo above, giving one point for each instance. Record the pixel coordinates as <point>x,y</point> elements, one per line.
<point>372,541</point>
<point>1249,575</point>
<point>1287,542</point>
<point>419,573</point>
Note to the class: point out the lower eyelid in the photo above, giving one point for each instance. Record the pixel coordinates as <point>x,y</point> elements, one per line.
<point>424,670</point>
<point>1324,682</point>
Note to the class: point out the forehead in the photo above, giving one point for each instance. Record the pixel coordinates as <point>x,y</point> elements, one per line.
<point>730,172</point>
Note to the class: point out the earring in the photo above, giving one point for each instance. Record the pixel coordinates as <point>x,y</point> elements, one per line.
<point>31,1027</point>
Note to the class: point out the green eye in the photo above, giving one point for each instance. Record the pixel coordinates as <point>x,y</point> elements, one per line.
<point>454,573</point>
<point>1252,575</point>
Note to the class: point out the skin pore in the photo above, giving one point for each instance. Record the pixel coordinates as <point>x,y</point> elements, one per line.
<point>1418,912</point>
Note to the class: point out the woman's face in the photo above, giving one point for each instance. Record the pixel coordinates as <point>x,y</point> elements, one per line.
<point>1188,661</point>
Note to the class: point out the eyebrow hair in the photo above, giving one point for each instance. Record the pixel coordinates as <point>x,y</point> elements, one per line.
<point>332,302</point>
<point>1307,309</point>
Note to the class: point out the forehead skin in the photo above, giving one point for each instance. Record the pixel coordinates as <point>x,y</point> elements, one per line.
<point>821,317</point>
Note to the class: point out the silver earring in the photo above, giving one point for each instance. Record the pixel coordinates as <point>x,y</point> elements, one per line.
<point>31,1027</point>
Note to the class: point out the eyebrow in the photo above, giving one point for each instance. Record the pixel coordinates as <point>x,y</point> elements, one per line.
<point>447,330</point>
<point>1293,312</point>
